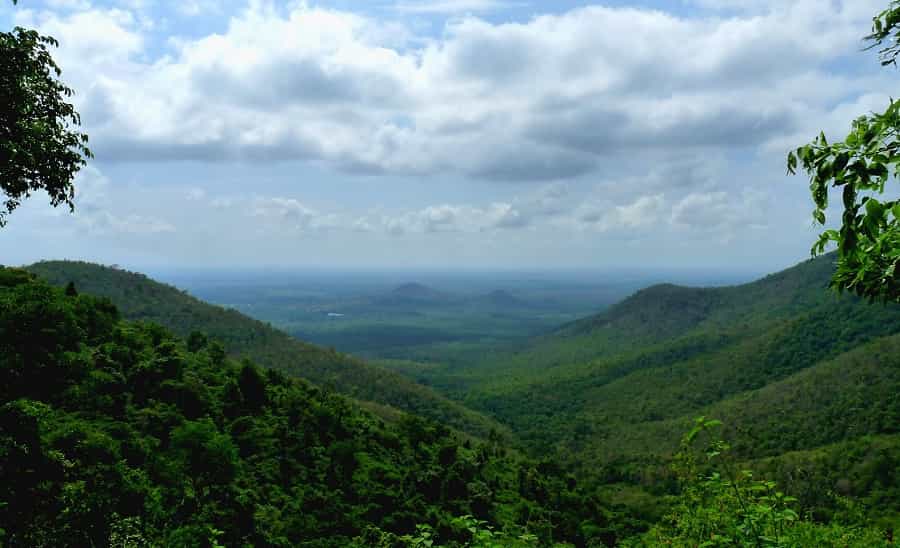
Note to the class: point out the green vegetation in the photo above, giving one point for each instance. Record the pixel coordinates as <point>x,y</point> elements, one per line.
<point>114,430</point>
<point>860,166</point>
<point>719,505</point>
<point>123,433</point>
<point>787,365</point>
<point>119,433</point>
<point>140,298</point>
<point>411,320</point>
<point>39,149</point>
<point>794,371</point>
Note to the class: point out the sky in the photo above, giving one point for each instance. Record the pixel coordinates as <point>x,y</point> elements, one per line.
<point>446,133</point>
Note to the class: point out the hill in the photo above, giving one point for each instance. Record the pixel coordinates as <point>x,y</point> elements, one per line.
<point>115,433</point>
<point>410,294</point>
<point>141,299</point>
<point>788,364</point>
<point>414,290</point>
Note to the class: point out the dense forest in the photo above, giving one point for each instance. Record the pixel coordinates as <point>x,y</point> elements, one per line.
<point>141,299</point>
<point>762,415</point>
<point>120,433</point>
<point>790,367</point>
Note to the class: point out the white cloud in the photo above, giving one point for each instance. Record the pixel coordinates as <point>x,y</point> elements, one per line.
<point>96,212</point>
<point>644,212</point>
<point>195,194</point>
<point>290,213</point>
<point>95,43</point>
<point>104,222</point>
<point>546,204</point>
<point>193,8</point>
<point>546,99</point>
<point>707,210</point>
<point>446,218</point>
<point>654,128</point>
<point>722,213</point>
<point>714,213</point>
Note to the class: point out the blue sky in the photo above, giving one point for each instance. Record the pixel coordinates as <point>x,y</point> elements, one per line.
<point>446,133</point>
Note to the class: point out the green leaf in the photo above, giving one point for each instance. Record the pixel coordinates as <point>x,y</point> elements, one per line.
<point>841,162</point>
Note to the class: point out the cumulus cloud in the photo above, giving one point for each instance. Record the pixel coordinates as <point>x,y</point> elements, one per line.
<point>193,8</point>
<point>720,213</point>
<point>96,213</point>
<point>445,218</point>
<point>104,222</point>
<point>291,213</point>
<point>96,43</point>
<point>544,205</point>
<point>715,213</point>
<point>644,212</point>
<point>555,97</point>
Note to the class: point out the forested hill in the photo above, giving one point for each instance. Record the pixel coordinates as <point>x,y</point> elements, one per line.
<point>665,311</point>
<point>115,433</point>
<point>788,364</point>
<point>670,352</point>
<point>143,299</point>
<point>671,322</point>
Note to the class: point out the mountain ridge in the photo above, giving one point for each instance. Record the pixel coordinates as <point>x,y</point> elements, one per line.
<point>612,393</point>
<point>141,298</point>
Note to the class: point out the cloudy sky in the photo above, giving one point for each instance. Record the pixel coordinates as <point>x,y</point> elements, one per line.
<point>446,133</point>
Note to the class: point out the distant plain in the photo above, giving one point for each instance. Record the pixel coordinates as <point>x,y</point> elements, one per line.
<point>426,316</point>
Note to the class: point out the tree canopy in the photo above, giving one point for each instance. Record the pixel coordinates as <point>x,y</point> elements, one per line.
<point>115,433</point>
<point>861,167</point>
<point>40,145</point>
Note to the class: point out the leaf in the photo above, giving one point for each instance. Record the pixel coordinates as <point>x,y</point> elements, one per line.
<point>841,162</point>
<point>874,208</point>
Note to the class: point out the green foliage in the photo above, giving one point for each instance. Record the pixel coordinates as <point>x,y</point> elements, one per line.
<point>142,299</point>
<point>805,378</point>
<point>719,505</point>
<point>860,166</point>
<point>886,32</point>
<point>480,535</point>
<point>789,365</point>
<point>40,149</point>
<point>414,322</point>
<point>855,481</point>
<point>120,433</point>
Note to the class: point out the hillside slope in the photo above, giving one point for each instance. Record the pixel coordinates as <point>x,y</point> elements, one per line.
<point>115,433</point>
<point>140,298</point>
<point>670,351</point>
<point>665,316</point>
<point>787,364</point>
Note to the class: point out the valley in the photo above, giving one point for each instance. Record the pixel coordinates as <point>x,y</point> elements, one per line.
<point>449,274</point>
<point>796,372</point>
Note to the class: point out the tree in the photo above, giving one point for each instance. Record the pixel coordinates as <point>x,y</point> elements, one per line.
<point>71,291</point>
<point>40,146</point>
<point>861,166</point>
<point>253,386</point>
